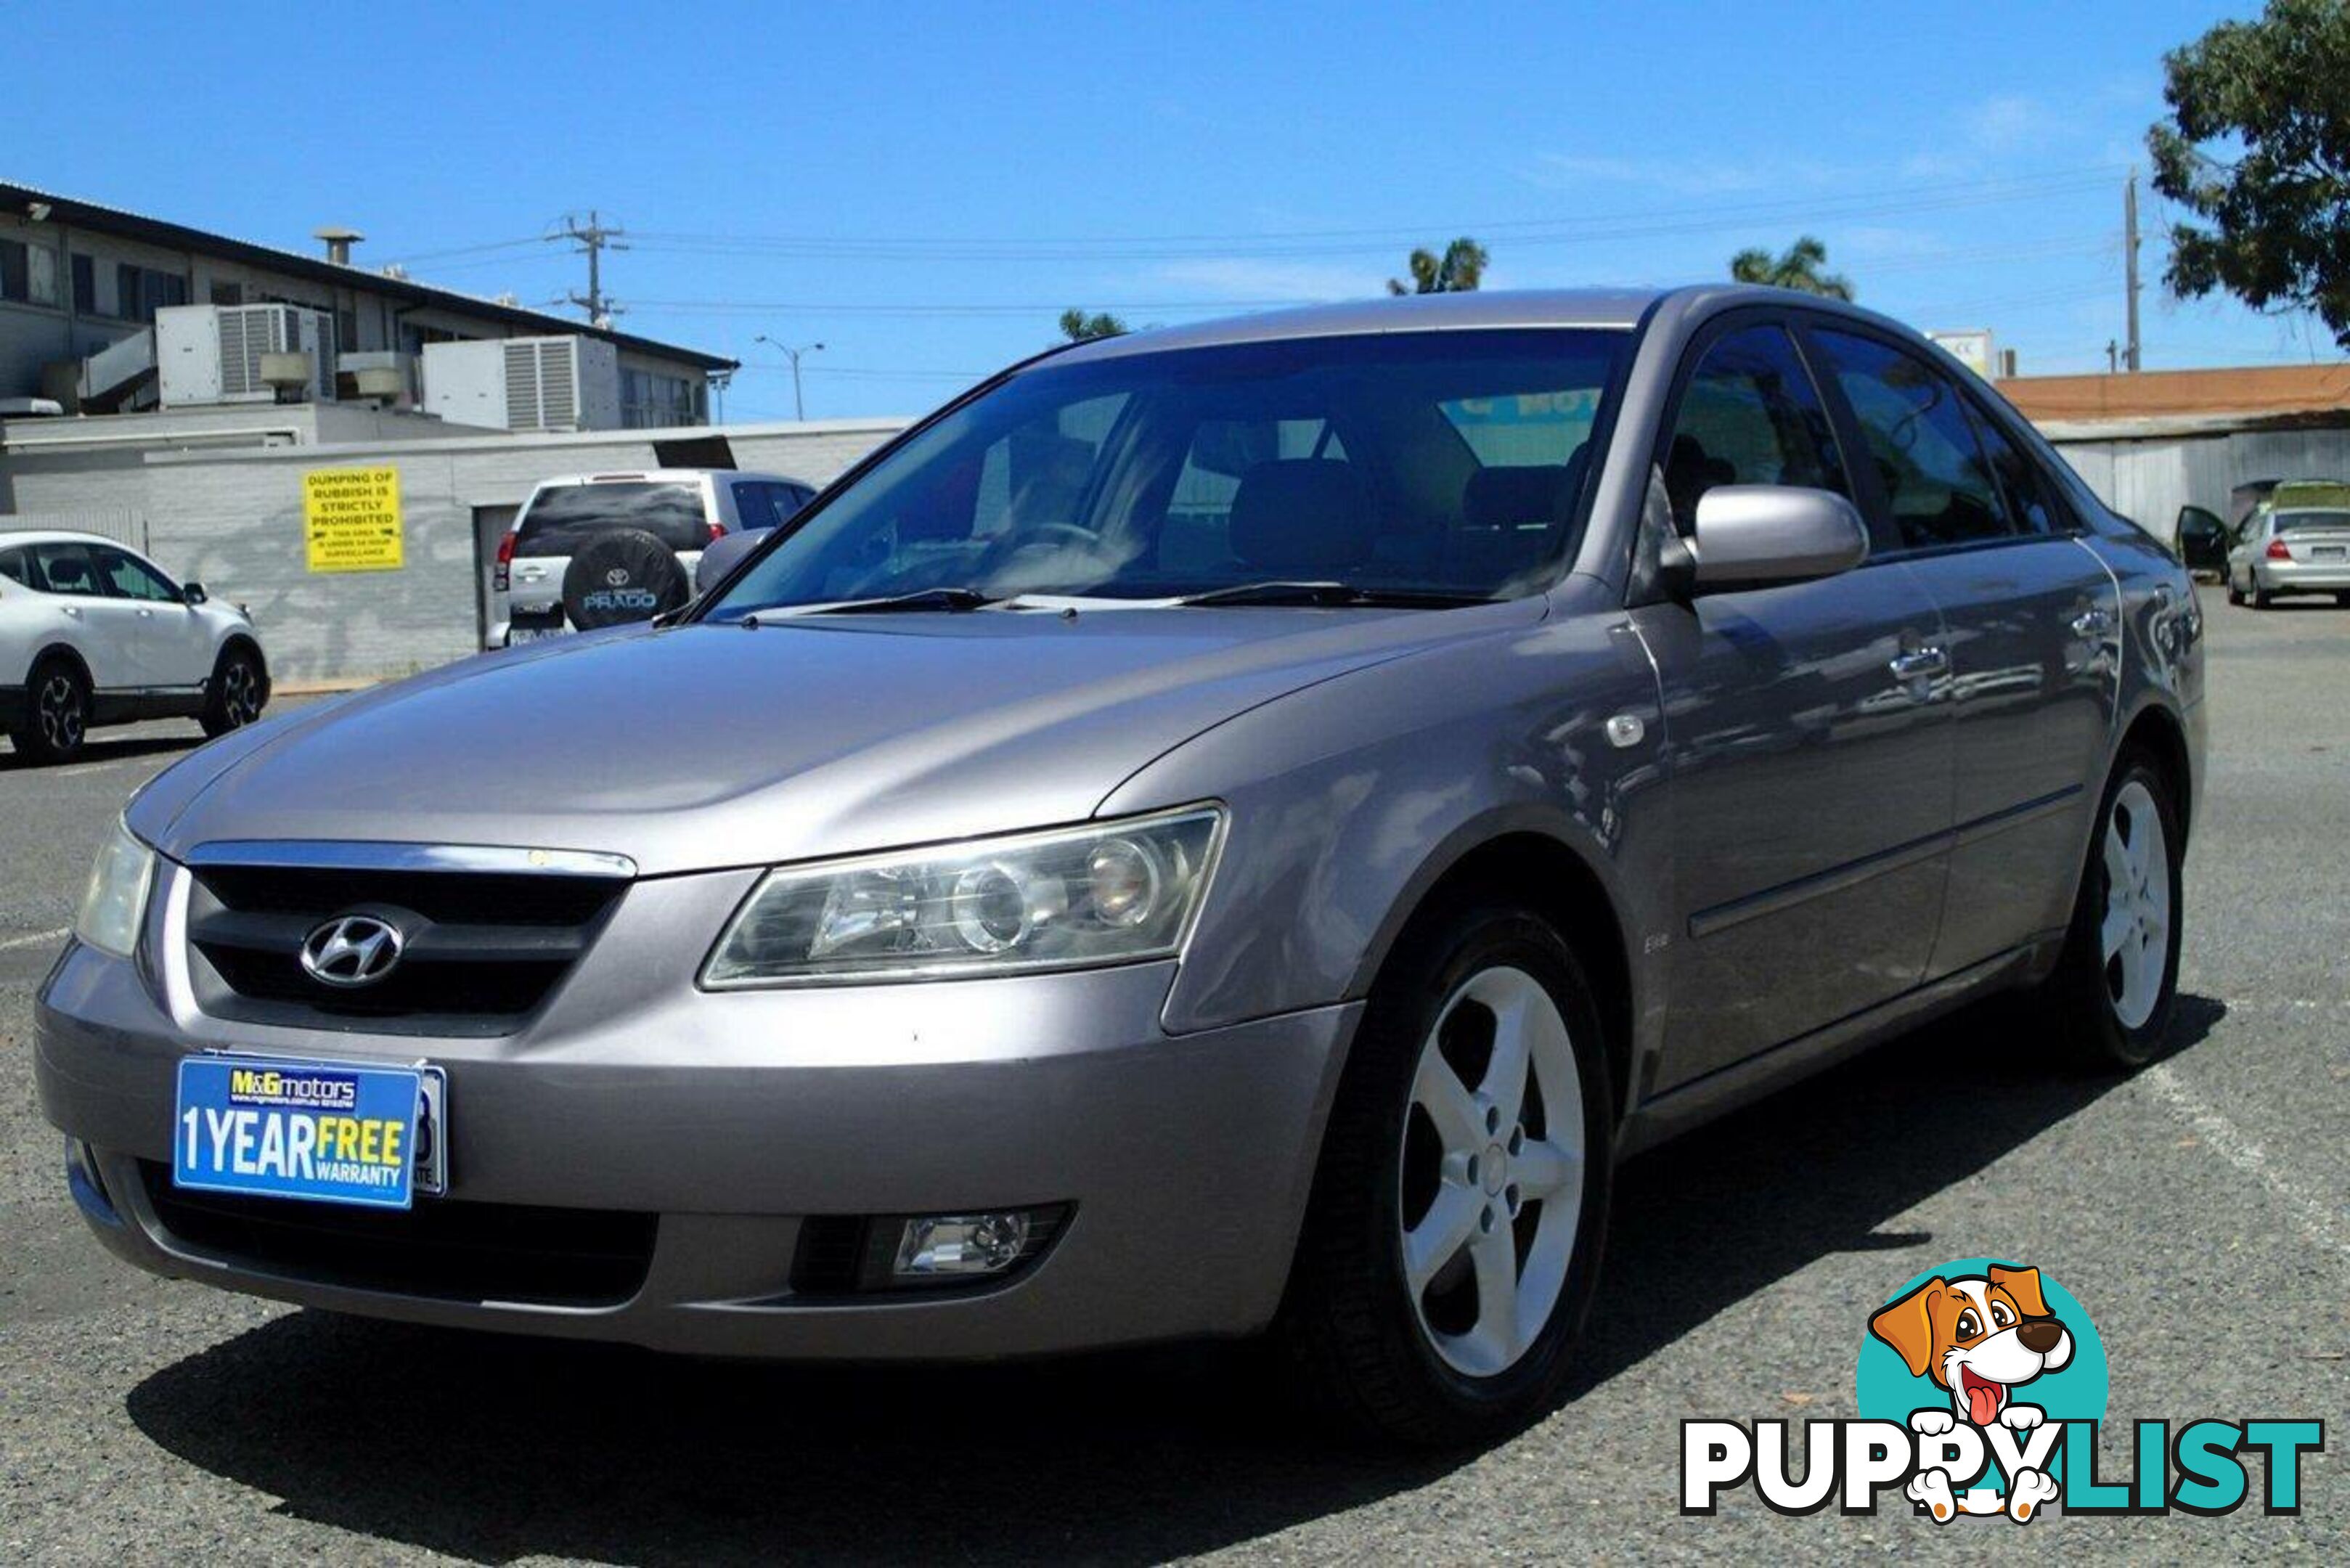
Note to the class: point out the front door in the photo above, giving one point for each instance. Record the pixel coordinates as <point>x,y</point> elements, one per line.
<point>173,645</point>
<point>1808,749</point>
<point>2034,627</point>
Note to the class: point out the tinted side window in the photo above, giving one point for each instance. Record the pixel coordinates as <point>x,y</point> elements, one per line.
<point>1938,483</point>
<point>65,568</point>
<point>1748,415</point>
<point>758,505</point>
<point>131,579</point>
<point>2027,489</point>
<point>11,567</point>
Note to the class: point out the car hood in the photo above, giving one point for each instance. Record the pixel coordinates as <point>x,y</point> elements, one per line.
<point>703,746</point>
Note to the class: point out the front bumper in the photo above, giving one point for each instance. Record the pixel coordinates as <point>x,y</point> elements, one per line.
<point>733,1117</point>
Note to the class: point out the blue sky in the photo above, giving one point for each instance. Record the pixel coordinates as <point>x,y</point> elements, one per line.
<point>923,189</point>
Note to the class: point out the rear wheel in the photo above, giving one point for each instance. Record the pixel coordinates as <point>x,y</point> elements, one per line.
<point>2118,980</point>
<point>2343,600</point>
<point>2235,594</point>
<point>56,714</point>
<point>1453,1237</point>
<point>239,689</point>
<point>2258,596</point>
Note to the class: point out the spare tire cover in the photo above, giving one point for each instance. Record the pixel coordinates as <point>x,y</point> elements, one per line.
<point>624,575</point>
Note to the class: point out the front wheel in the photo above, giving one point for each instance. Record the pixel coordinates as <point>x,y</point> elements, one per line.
<point>239,689</point>
<point>2118,980</point>
<point>1452,1241</point>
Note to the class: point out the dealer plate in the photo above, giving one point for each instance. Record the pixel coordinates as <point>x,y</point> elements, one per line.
<point>328,1132</point>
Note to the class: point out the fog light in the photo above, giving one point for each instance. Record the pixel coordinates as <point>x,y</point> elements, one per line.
<point>961,1245</point>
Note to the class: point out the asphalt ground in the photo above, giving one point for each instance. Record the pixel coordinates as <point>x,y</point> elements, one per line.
<point>2196,1209</point>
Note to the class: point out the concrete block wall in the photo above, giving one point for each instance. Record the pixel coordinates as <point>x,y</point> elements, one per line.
<point>233,522</point>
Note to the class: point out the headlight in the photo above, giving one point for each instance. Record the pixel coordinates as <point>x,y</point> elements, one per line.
<point>116,900</point>
<point>1109,893</point>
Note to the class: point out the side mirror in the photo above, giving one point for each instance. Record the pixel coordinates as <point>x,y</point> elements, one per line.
<point>194,593</point>
<point>723,553</point>
<point>1757,535</point>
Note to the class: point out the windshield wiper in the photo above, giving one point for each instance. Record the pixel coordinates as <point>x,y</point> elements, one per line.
<point>1333,596</point>
<point>949,599</point>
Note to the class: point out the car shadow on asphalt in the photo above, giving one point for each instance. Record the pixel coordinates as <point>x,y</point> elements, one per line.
<point>492,1448</point>
<point>123,749</point>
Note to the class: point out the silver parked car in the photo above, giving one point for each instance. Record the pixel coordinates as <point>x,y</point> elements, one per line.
<point>2296,542</point>
<point>1226,829</point>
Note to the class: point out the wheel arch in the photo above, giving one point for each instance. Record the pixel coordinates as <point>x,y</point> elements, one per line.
<point>1554,878</point>
<point>69,654</point>
<point>2156,733</point>
<point>244,640</point>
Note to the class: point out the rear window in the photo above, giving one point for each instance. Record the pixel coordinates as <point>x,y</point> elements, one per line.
<point>2291,522</point>
<point>562,520</point>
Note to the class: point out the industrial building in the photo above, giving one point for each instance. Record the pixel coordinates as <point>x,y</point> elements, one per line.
<point>80,282</point>
<point>189,393</point>
<point>2152,441</point>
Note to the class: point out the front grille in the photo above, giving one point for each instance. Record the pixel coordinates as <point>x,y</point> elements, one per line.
<point>482,950</point>
<point>445,1248</point>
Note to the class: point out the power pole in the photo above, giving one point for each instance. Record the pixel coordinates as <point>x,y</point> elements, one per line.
<point>595,239</point>
<point>2129,267</point>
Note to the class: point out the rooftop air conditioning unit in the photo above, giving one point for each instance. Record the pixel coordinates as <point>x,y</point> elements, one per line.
<point>524,383</point>
<point>228,353</point>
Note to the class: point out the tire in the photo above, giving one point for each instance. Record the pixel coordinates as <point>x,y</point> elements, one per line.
<point>2113,1008</point>
<point>2257,595</point>
<point>56,714</point>
<point>624,575</point>
<point>239,690</point>
<point>2342,600</point>
<point>1429,1366</point>
<point>2235,594</point>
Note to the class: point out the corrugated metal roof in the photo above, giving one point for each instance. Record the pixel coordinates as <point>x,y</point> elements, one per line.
<point>78,213</point>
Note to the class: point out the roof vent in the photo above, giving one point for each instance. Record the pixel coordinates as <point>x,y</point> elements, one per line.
<point>338,243</point>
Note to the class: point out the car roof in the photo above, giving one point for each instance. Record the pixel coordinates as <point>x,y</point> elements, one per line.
<point>14,536</point>
<point>640,475</point>
<point>1481,308</point>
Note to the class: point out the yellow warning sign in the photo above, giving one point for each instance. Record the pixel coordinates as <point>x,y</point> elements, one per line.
<point>351,518</point>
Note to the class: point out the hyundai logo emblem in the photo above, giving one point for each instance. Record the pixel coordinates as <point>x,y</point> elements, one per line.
<point>351,950</point>
<point>617,577</point>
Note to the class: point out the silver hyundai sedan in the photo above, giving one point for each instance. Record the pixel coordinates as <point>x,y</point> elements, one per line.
<point>1225,830</point>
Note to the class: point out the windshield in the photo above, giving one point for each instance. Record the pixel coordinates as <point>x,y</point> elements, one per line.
<point>1448,463</point>
<point>564,517</point>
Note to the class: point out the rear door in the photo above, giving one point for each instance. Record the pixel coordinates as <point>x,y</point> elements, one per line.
<point>103,628</point>
<point>2033,621</point>
<point>173,646</point>
<point>1810,755</point>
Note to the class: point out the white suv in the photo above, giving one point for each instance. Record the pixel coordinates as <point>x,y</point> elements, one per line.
<point>93,633</point>
<point>591,550</point>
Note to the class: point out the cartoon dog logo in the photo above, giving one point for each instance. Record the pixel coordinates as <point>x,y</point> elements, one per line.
<point>1980,1338</point>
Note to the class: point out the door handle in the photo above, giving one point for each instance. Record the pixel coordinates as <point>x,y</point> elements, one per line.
<point>1919,664</point>
<point>146,614</point>
<point>2092,622</point>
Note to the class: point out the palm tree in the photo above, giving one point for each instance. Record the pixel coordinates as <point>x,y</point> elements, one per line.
<point>1460,268</point>
<point>1079,327</point>
<point>1797,267</point>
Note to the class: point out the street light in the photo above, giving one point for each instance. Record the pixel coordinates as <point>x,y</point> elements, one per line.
<point>799,408</point>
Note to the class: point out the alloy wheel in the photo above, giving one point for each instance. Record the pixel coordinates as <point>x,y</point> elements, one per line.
<point>240,693</point>
<point>1492,1171</point>
<point>59,708</point>
<point>2135,935</point>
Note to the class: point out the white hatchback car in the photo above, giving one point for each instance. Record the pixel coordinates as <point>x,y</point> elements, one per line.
<point>91,632</point>
<point>593,550</point>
